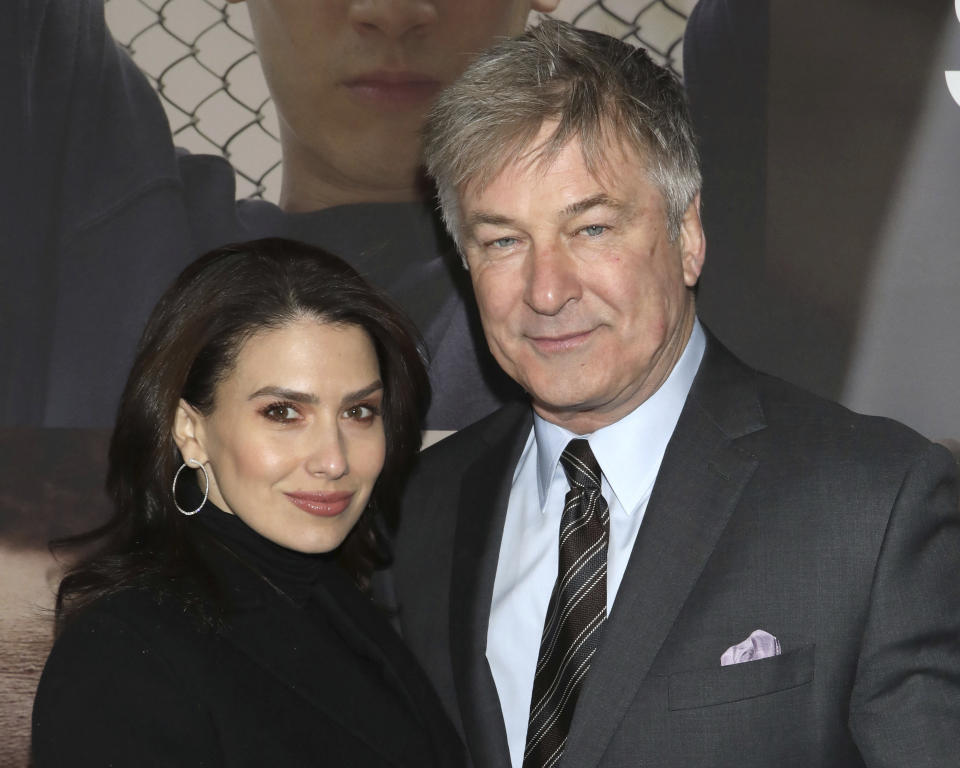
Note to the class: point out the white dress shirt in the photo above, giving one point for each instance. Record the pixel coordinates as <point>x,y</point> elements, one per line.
<point>629,453</point>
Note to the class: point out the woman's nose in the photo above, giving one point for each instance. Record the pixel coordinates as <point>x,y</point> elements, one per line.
<point>328,455</point>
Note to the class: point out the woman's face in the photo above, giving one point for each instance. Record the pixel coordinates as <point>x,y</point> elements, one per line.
<point>295,441</point>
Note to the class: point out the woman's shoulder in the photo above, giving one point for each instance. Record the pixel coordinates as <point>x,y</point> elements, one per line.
<point>136,629</point>
<point>135,603</point>
<point>126,660</point>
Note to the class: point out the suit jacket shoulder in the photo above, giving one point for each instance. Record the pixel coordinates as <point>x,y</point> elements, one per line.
<point>463,446</point>
<point>757,409</point>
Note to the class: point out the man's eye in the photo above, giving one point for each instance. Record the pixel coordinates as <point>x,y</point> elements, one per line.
<point>593,230</point>
<point>503,242</point>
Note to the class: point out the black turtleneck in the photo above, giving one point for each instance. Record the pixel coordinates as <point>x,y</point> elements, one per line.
<point>319,677</point>
<point>292,573</point>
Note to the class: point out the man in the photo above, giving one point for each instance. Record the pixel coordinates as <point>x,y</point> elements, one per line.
<point>665,558</point>
<point>101,212</point>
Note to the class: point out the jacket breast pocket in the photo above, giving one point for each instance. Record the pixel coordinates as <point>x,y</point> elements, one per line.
<point>736,682</point>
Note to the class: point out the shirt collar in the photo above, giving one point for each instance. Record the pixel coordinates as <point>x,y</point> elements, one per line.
<point>630,450</point>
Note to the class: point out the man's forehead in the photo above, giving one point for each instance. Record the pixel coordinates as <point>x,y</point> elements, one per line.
<point>605,165</point>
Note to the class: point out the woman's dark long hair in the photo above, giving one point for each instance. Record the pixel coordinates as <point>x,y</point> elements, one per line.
<point>190,344</point>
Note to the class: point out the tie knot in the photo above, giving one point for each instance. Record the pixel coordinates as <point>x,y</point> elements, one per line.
<point>580,465</point>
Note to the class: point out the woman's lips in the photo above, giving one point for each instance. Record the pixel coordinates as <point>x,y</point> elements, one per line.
<point>394,89</point>
<point>321,504</point>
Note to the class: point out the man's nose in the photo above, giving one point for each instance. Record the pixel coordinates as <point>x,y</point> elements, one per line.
<point>552,279</point>
<point>392,18</point>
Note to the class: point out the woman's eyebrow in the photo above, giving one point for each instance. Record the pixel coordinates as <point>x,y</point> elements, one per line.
<point>285,394</point>
<point>368,390</point>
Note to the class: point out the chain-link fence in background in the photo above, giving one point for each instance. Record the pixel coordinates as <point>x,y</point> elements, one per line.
<point>199,55</point>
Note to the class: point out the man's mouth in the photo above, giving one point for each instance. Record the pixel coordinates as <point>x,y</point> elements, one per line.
<point>560,342</point>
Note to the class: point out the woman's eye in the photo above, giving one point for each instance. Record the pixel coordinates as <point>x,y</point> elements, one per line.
<point>281,412</point>
<point>361,413</point>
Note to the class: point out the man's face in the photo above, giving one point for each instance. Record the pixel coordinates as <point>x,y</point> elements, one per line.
<point>584,299</point>
<point>352,81</point>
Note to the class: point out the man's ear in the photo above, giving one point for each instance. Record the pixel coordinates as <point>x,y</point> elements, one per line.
<point>188,432</point>
<point>544,6</point>
<point>693,243</point>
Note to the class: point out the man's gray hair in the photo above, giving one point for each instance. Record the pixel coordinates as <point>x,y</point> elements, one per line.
<point>598,89</point>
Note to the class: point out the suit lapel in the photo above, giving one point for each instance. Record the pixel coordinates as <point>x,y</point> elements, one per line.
<point>701,478</point>
<point>484,492</point>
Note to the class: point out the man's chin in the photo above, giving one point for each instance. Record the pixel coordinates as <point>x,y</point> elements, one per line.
<point>561,404</point>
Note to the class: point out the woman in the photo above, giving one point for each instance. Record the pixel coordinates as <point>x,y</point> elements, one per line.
<point>272,409</point>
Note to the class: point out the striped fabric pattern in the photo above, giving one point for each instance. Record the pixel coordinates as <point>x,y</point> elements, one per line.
<point>577,609</point>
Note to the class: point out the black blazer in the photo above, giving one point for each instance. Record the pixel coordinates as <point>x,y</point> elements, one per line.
<point>773,509</point>
<point>137,682</point>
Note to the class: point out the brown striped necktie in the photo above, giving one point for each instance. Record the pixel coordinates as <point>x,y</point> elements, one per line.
<point>577,609</point>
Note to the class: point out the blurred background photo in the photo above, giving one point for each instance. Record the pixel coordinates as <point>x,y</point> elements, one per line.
<point>139,134</point>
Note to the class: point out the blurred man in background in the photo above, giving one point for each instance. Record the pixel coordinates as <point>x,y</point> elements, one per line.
<point>101,212</point>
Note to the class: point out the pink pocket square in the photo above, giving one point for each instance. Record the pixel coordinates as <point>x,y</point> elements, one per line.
<point>759,645</point>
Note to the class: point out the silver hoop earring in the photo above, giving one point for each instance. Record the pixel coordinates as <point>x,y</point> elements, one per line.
<point>206,490</point>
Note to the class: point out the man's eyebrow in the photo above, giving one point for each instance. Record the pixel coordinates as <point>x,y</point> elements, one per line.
<point>282,393</point>
<point>477,218</point>
<point>602,199</point>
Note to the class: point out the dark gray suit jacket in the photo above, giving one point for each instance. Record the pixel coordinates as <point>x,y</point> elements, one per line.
<point>773,509</point>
